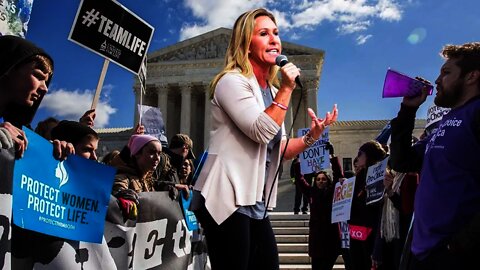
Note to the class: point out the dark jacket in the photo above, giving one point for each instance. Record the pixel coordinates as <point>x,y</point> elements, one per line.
<point>324,237</point>
<point>460,234</point>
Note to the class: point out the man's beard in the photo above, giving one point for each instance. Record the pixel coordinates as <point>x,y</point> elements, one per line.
<point>451,97</point>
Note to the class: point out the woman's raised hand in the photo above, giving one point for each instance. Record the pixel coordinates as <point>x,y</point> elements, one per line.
<point>318,125</point>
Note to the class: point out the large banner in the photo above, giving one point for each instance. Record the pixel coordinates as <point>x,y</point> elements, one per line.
<point>14,17</point>
<point>7,160</point>
<point>316,157</point>
<point>342,200</point>
<point>375,176</point>
<point>158,239</point>
<point>112,31</point>
<point>68,199</point>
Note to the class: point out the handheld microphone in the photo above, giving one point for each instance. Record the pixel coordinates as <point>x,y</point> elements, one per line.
<point>281,61</point>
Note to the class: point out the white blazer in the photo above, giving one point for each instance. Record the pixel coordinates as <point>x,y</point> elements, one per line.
<point>234,173</point>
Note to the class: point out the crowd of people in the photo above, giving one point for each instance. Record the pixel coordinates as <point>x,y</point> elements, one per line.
<point>432,183</point>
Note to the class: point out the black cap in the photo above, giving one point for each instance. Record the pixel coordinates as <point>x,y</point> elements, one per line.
<point>179,140</point>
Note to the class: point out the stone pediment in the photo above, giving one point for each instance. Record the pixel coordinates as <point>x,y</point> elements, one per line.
<point>213,45</point>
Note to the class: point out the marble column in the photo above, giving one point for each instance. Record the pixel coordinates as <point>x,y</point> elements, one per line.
<point>162,102</point>
<point>311,94</point>
<point>185,108</point>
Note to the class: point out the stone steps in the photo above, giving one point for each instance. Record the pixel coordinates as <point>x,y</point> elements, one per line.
<point>291,233</point>
<point>292,247</point>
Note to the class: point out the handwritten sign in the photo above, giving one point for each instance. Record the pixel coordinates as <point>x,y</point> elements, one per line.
<point>375,187</point>
<point>316,157</point>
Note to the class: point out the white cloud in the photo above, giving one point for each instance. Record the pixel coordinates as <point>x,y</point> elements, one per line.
<point>350,16</point>
<point>215,14</point>
<point>389,11</point>
<point>282,20</point>
<point>361,39</point>
<point>350,28</point>
<point>295,36</point>
<point>71,105</point>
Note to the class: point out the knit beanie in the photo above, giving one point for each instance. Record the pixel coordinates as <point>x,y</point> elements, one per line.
<point>374,152</point>
<point>14,50</point>
<point>137,142</point>
<point>72,132</point>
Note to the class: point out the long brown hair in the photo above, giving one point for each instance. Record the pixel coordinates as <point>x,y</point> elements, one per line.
<point>236,56</point>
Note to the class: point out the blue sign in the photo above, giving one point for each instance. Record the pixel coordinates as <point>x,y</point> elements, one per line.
<point>190,217</point>
<point>68,199</point>
<point>199,166</point>
<point>384,135</point>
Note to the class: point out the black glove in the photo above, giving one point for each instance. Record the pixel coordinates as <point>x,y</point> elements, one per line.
<point>329,147</point>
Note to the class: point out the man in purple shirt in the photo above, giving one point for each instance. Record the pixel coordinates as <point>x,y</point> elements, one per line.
<point>446,229</point>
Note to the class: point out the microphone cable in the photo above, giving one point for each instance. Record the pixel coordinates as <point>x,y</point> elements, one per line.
<point>284,149</point>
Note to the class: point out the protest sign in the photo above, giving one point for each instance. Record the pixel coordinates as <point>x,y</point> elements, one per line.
<point>7,159</point>
<point>14,17</point>
<point>374,183</point>
<point>342,200</point>
<point>190,218</point>
<point>434,115</point>
<point>344,230</point>
<point>67,198</point>
<point>384,136</point>
<point>315,157</point>
<point>112,31</point>
<point>152,121</point>
<point>157,239</point>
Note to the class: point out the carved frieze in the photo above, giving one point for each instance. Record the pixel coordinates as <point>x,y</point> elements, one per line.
<point>204,49</point>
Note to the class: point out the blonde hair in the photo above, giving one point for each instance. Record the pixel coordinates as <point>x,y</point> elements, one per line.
<point>236,56</point>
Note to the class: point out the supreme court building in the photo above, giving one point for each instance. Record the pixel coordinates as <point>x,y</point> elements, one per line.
<point>177,83</point>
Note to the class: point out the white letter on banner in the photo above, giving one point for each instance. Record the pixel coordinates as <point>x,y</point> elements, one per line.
<point>177,236</point>
<point>24,181</point>
<point>103,19</point>
<point>148,248</point>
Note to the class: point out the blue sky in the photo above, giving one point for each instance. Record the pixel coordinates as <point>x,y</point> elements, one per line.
<point>361,39</point>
